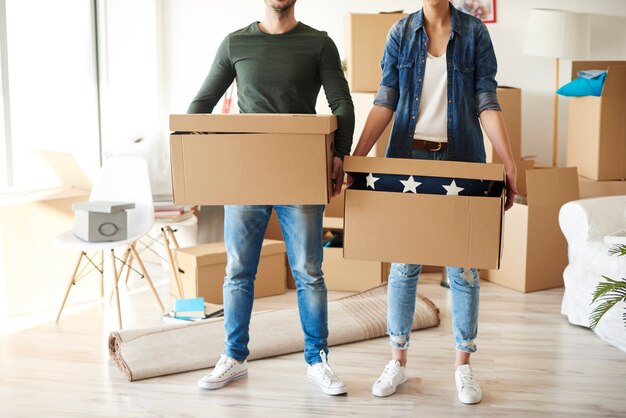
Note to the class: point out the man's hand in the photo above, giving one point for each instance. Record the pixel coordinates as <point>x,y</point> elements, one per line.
<point>511,188</point>
<point>337,175</point>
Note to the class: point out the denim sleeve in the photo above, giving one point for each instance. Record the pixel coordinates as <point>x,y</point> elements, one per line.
<point>485,84</point>
<point>388,93</point>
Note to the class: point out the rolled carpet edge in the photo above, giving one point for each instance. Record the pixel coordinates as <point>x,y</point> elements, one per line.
<point>177,348</point>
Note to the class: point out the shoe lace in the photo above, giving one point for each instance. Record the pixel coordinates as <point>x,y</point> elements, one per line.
<point>389,374</point>
<point>223,366</point>
<point>325,372</point>
<point>467,380</point>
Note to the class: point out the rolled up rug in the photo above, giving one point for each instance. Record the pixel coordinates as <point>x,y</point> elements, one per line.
<point>176,348</point>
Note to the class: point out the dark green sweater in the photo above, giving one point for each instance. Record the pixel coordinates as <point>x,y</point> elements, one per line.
<point>280,74</point>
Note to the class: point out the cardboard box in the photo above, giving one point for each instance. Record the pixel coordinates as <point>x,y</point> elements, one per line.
<point>510,99</point>
<point>594,188</point>
<point>250,159</point>
<point>596,139</point>
<point>535,251</point>
<point>202,269</point>
<point>366,35</point>
<point>418,228</point>
<point>522,167</point>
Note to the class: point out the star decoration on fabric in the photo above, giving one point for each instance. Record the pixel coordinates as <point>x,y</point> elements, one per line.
<point>453,189</point>
<point>371,180</point>
<point>410,185</point>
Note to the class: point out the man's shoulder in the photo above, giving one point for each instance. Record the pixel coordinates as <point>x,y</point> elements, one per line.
<point>249,29</point>
<point>308,30</point>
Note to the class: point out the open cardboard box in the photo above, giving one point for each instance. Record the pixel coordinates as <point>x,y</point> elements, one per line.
<point>251,159</point>
<point>202,269</point>
<point>535,251</point>
<point>440,230</point>
<point>596,140</point>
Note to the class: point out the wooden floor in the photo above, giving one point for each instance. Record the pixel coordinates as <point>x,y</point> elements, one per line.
<point>531,362</point>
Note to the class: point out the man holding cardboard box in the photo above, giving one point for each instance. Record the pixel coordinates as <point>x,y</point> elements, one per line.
<point>439,71</point>
<point>280,65</point>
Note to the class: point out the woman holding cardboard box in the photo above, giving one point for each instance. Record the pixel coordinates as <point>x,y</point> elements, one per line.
<point>439,71</point>
<point>280,65</point>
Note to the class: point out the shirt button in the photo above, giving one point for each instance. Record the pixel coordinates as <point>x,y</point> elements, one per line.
<point>417,99</point>
<point>413,117</point>
<point>419,80</point>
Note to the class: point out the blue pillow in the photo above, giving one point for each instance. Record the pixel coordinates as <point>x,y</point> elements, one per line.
<point>588,83</point>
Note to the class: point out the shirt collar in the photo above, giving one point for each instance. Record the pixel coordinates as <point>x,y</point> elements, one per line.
<point>455,21</point>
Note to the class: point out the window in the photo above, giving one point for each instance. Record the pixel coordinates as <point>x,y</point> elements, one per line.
<point>52,84</point>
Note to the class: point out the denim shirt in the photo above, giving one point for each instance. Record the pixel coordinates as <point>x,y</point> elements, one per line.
<point>471,63</point>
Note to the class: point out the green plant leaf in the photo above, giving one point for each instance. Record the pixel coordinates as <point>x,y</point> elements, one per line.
<point>608,287</point>
<point>600,310</point>
<point>618,250</point>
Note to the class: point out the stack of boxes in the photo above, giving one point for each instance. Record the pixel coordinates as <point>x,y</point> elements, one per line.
<point>534,250</point>
<point>596,141</point>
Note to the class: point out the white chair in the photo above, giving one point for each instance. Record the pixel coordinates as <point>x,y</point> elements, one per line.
<point>121,179</point>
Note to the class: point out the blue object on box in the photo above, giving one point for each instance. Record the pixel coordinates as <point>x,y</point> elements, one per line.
<point>189,305</point>
<point>588,83</point>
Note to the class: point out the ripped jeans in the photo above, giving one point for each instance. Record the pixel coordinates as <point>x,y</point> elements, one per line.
<point>464,289</point>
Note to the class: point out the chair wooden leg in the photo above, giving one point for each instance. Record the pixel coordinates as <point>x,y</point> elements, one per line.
<point>124,261</point>
<point>101,274</point>
<point>146,275</point>
<point>115,289</point>
<point>69,286</point>
<point>129,265</point>
<point>168,251</point>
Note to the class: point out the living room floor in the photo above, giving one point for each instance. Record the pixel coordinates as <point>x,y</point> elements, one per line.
<point>531,362</point>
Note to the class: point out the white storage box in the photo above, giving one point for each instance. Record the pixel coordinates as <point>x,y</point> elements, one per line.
<point>101,221</point>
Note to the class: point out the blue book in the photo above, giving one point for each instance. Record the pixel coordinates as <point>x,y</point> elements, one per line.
<point>189,307</point>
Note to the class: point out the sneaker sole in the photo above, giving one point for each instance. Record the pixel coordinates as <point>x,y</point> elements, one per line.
<point>221,383</point>
<point>383,395</point>
<point>330,391</point>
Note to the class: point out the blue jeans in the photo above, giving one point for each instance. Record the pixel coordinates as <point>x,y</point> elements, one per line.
<point>464,288</point>
<point>244,229</point>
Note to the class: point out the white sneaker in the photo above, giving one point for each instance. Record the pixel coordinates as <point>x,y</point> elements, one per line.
<point>393,376</point>
<point>225,371</point>
<point>467,388</point>
<point>325,377</point>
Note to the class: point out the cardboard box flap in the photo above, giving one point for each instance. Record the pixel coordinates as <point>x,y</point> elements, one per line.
<point>407,166</point>
<point>615,82</point>
<point>215,252</point>
<point>254,123</point>
<point>592,65</point>
<point>551,186</point>
<point>332,223</point>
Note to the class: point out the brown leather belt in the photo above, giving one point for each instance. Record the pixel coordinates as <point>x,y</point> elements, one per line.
<point>429,145</point>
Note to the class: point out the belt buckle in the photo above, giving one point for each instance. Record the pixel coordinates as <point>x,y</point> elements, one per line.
<point>438,147</point>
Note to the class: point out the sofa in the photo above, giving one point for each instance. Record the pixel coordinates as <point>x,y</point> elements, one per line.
<point>585,223</point>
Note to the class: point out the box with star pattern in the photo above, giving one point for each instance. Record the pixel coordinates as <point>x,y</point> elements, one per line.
<point>442,213</point>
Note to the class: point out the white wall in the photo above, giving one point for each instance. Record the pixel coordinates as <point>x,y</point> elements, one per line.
<point>192,30</point>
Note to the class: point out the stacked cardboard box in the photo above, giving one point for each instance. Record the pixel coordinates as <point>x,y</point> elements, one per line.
<point>534,249</point>
<point>202,269</point>
<point>366,35</point>
<point>596,141</point>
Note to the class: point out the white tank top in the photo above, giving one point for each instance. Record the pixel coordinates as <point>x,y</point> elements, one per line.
<point>432,114</point>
